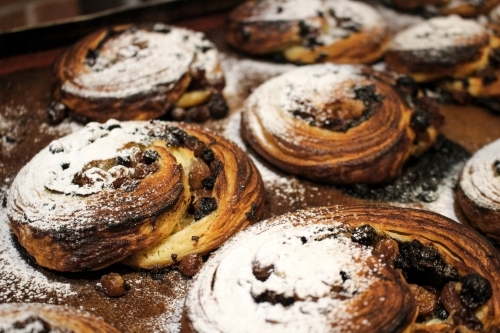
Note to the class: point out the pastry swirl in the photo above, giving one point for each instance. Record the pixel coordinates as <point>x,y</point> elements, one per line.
<point>101,194</point>
<point>349,269</point>
<point>438,48</point>
<point>46,318</point>
<point>338,124</point>
<point>139,72</point>
<point>309,31</point>
<point>478,190</point>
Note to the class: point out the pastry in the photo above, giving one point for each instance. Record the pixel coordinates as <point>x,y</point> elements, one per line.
<point>477,192</point>
<point>439,48</point>
<point>349,269</point>
<point>305,31</point>
<point>45,318</point>
<point>338,124</point>
<point>141,72</point>
<point>101,194</point>
<point>465,8</point>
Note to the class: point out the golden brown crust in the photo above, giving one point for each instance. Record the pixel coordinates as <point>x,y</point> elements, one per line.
<point>439,48</point>
<point>36,317</point>
<point>239,193</point>
<point>369,144</point>
<point>119,73</point>
<point>327,34</point>
<point>458,246</point>
<point>91,218</point>
<point>463,8</point>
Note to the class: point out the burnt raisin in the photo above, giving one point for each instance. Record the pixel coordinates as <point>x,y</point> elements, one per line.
<point>175,136</point>
<point>217,106</point>
<point>65,166</point>
<point>207,155</point>
<point>198,114</point>
<point>252,214</point>
<point>476,290</point>
<point>193,143</point>
<point>150,156</point>
<point>123,160</point>
<point>208,183</point>
<point>344,276</point>
<point>365,235</point>
<point>274,298</point>
<point>206,206</point>
<point>367,94</point>
<point>440,312</point>
<point>216,167</point>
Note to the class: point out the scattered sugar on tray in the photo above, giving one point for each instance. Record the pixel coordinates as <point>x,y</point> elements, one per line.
<point>438,33</point>
<point>66,127</point>
<point>18,280</point>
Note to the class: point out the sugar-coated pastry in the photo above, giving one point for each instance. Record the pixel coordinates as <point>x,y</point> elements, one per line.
<point>349,269</point>
<point>478,190</point>
<point>439,48</point>
<point>141,72</point>
<point>46,318</point>
<point>309,31</point>
<point>339,124</point>
<point>99,195</point>
<point>464,8</point>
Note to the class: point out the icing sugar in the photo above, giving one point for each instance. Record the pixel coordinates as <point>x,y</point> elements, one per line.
<point>495,14</point>
<point>145,61</point>
<point>306,88</point>
<point>306,265</point>
<point>480,181</point>
<point>439,32</point>
<point>18,280</point>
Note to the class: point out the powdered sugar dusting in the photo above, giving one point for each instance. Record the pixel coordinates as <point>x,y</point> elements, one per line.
<point>480,178</point>
<point>138,61</point>
<point>440,32</point>
<point>18,280</point>
<point>307,262</point>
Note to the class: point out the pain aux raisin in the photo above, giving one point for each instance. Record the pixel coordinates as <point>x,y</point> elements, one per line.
<point>438,289</point>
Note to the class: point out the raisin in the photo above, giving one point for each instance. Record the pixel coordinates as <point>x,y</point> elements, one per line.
<point>113,285</point>
<point>207,205</point>
<point>150,156</point>
<point>56,112</point>
<point>262,273</point>
<point>466,318</point>
<point>476,290</point>
<point>407,85</point>
<point>178,114</point>
<point>198,114</point>
<point>216,167</point>
<point>450,298</point>
<point>198,171</point>
<point>440,312</point>
<point>425,299</point>
<point>23,324</point>
<point>193,143</point>
<point>274,298</point>
<point>387,247</point>
<point>191,264</point>
<point>252,214</point>
<point>217,106</point>
<point>208,183</point>
<point>420,120</point>
<point>207,155</point>
<point>365,235</point>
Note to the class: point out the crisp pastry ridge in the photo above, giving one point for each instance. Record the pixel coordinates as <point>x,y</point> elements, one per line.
<point>438,48</point>
<point>305,31</point>
<point>338,124</point>
<point>38,317</point>
<point>140,72</point>
<point>478,189</point>
<point>101,194</point>
<point>298,272</point>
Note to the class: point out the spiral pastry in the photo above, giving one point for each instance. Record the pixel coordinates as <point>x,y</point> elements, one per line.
<point>102,194</point>
<point>439,48</point>
<point>141,72</point>
<point>335,123</point>
<point>349,269</point>
<point>305,31</point>
<point>464,8</point>
<point>45,318</point>
<point>478,190</point>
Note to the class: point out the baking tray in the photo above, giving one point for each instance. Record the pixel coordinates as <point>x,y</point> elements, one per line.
<point>154,300</point>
